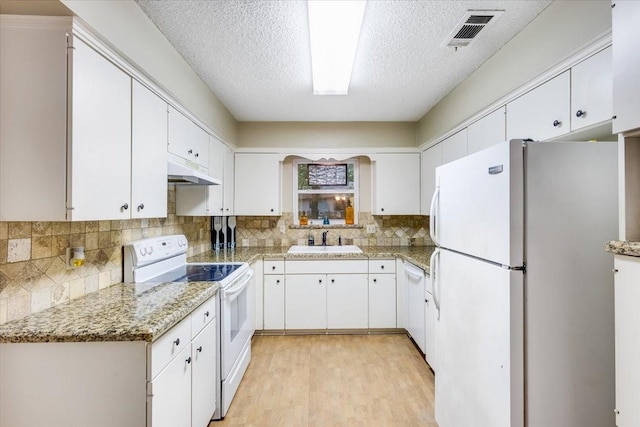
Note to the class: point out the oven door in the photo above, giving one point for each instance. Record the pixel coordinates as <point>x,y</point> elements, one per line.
<point>237,323</point>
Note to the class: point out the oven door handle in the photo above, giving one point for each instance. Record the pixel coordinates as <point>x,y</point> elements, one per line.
<point>233,292</point>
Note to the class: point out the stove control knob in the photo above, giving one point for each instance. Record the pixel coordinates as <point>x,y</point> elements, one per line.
<point>150,250</point>
<point>143,251</point>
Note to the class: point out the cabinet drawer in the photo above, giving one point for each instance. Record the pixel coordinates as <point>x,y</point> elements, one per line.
<point>273,266</point>
<point>202,316</point>
<point>382,266</point>
<point>327,267</point>
<point>169,345</point>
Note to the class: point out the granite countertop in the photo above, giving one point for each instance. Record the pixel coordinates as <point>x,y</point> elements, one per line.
<point>143,312</point>
<point>623,248</point>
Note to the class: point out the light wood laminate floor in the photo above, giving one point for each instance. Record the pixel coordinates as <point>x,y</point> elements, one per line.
<point>334,380</point>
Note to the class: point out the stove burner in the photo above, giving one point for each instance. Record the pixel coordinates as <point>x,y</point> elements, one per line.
<point>199,273</point>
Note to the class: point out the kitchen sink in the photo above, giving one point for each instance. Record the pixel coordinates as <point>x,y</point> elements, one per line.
<point>345,249</point>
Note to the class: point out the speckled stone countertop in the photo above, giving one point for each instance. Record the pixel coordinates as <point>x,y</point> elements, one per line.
<point>143,312</point>
<point>116,313</point>
<point>623,248</point>
<point>418,255</point>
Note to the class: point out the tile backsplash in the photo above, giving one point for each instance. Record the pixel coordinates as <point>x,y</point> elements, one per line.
<point>280,232</point>
<point>33,273</point>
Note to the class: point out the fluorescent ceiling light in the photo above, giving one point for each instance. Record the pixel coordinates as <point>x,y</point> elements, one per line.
<point>334,27</point>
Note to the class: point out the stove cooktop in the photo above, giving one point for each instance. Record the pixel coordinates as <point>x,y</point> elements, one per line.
<point>198,273</point>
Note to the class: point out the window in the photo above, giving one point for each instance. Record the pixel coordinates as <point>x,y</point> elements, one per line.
<point>324,189</point>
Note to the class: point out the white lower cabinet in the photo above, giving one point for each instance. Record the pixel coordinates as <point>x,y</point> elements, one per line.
<point>274,301</point>
<point>347,301</point>
<point>627,319</point>
<point>306,301</point>
<point>382,301</point>
<point>184,389</point>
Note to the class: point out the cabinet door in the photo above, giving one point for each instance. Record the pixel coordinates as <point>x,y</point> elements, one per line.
<point>257,184</point>
<point>541,113</point>
<point>187,140</point>
<point>216,170</point>
<point>396,184</point>
<point>274,301</point>
<point>429,330</point>
<point>100,152</point>
<point>455,147</point>
<point>591,90</point>
<point>306,301</point>
<point>431,159</point>
<point>228,181</point>
<point>382,301</point>
<point>627,319</point>
<point>347,301</point>
<point>488,131</point>
<point>203,376</point>
<point>626,65</point>
<point>148,154</point>
<point>171,389</point>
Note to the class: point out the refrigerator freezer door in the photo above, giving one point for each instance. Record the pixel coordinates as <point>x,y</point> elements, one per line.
<point>479,344</point>
<point>479,210</point>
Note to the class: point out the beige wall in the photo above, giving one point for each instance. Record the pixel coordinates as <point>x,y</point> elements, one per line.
<point>326,134</point>
<point>123,24</point>
<point>559,31</point>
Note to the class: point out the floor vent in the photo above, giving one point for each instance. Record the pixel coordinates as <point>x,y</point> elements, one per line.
<point>470,26</point>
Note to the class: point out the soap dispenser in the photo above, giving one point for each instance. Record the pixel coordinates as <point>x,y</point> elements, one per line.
<point>311,241</point>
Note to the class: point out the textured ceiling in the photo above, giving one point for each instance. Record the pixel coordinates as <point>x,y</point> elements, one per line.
<point>254,55</point>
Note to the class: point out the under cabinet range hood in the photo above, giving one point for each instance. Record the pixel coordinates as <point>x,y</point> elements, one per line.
<point>183,175</point>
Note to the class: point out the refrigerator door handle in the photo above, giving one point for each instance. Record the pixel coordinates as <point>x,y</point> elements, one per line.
<point>434,280</point>
<point>432,216</point>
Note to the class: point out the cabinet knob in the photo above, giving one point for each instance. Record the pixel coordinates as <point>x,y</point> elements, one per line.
<point>271,209</point>
<point>197,154</point>
<point>190,152</point>
<point>616,411</point>
<point>382,267</point>
<point>277,281</point>
<point>381,209</point>
<point>556,123</point>
<point>615,270</point>
<point>320,281</point>
<point>177,341</point>
<point>206,313</point>
<point>333,280</point>
<point>199,349</point>
<point>188,360</point>
<point>581,113</point>
<point>375,280</point>
<point>141,206</point>
<point>125,206</point>
<point>273,267</point>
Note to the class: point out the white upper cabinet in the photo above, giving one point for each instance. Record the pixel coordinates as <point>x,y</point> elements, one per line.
<point>257,184</point>
<point>188,141</point>
<point>228,181</point>
<point>591,90</point>
<point>626,65</point>
<point>488,131</point>
<point>148,154</point>
<point>455,146</point>
<point>541,113</point>
<point>431,159</point>
<point>396,184</point>
<point>215,196</point>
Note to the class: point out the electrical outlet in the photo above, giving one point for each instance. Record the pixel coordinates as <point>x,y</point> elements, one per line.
<point>282,229</point>
<point>371,228</point>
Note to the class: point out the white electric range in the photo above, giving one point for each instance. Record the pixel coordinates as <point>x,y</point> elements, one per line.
<point>157,260</point>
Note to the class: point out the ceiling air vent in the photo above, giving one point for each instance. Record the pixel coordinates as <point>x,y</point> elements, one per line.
<point>470,26</point>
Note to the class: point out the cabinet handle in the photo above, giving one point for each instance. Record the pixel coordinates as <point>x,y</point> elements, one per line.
<point>556,123</point>
<point>381,209</point>
<point>375,280</point>
<point>206,313</point>
<point>197,154</point>
<point>382,267</point>
<point>320,281</point>
<point>141,206</point>
<point>125,206</point>
<point>199,349</point>
<point>190,152</point>
<point>271,209</point>
<point>615,270</point>
<point>616,411</point>
<point>177,341</point>
<point>581,113</point>
<point>188,360</point>
<point>277,281</point>
<point>273,267</point>
<point>333,281</point>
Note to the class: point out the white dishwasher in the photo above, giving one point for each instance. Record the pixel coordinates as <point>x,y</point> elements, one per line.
<point>415,282</point>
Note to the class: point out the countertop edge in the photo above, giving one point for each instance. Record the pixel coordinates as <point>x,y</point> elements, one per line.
<point>623,247</point>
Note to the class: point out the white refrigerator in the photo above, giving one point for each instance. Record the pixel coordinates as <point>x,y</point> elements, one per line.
<point>523,287</point>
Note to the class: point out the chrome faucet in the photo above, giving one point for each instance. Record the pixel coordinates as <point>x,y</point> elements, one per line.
<point>324,238</point>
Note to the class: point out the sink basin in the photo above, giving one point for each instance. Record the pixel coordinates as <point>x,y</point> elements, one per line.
<point>346,249</point>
